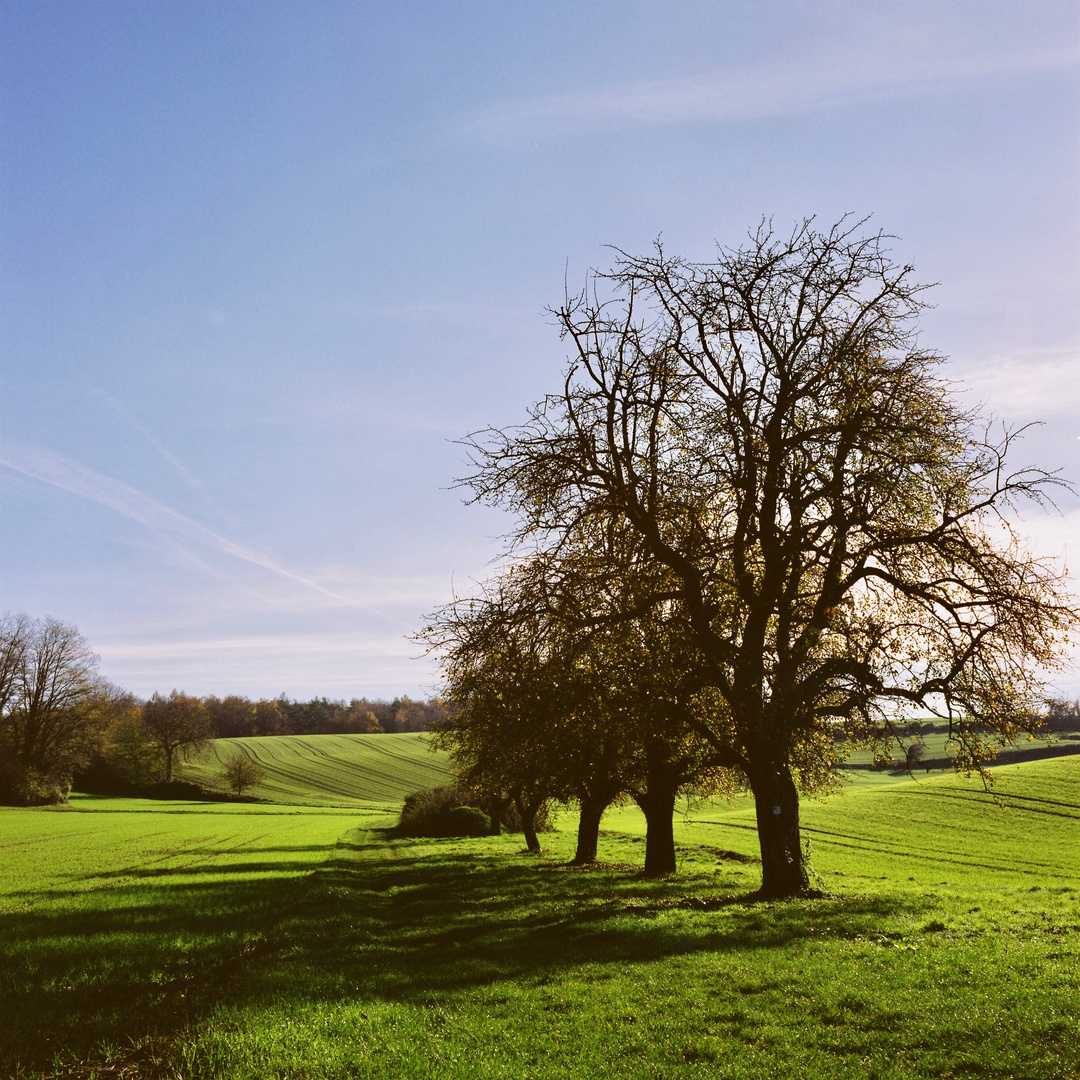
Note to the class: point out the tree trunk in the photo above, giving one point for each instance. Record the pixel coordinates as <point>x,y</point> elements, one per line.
<point>527,813</point>
<point>657,802</point>
<point>588,830</point>
<point>496,807</point>
<point>783,868</point>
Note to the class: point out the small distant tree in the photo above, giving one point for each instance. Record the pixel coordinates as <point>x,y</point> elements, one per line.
<point>914,754</point>
<point>241,773</point>
<point>178,725</point>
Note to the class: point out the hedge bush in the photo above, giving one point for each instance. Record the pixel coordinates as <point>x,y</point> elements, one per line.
<point>443,811</point>
<point>22,786</point>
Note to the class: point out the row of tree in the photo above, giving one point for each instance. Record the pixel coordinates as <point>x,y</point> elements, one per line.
<point>753,521</point>
<point>60,719</point>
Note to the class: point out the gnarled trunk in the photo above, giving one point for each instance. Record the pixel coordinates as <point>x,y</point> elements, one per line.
<point>527,812</point>
<point>588,830</point>
<point>657,802</point>
<point>783,868</point>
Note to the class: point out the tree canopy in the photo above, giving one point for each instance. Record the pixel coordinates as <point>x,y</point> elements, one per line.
<point>804,492</point>
<point>53,706</point>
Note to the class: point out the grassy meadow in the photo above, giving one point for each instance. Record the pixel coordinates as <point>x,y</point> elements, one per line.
<point>256,940</point>
<point>115,913</point>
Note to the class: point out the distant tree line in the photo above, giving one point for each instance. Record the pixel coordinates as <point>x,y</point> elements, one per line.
<point>61,722</point>
<point>236,717</point>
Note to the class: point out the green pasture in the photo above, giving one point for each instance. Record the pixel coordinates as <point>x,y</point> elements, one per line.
<point>116,913</point>
<point>860,768</point>
<point>946,945</point>
<point>328,769</point>
<point>241,941</point>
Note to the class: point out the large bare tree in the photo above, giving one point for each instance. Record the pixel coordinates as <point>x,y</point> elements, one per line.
<point>839,528</point>
<point>54,706</point>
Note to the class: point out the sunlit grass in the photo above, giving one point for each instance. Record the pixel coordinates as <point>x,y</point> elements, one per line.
<point>202,941</point>
<point>470,959</point>
<point>115,912</point>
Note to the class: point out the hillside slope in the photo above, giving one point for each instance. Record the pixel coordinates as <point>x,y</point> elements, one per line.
<point>329,770</point>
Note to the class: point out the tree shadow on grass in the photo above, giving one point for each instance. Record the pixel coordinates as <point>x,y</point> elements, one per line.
<point>129,963</point>
<point>137,963</point>
<point>420,923</point>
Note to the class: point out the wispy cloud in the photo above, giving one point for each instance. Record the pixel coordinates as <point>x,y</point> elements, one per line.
<point>291,645</point>
<point>59,472</point>
<point>779,88</point>
<point>299,664</point>
<point>1037,383</point>
<point>188,476</point>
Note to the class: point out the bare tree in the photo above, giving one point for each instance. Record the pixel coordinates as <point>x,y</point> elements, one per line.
<point>839,528</point>
<point>54,706</point>
<point>242,772</point>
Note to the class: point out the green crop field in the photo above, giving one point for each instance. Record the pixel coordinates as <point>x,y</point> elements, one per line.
<point>329,770</point>
<point>113,912</point>
<point>234,941</point>
<point>859,766</point>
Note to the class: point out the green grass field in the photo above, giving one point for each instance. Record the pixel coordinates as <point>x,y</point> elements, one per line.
<point>114,913</point>
<point>329,770</point>
<point>233,940</point>
<point>859,768</point>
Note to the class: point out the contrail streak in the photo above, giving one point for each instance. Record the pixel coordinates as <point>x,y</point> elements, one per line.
<point>70,476</point>
<point>189,477</point>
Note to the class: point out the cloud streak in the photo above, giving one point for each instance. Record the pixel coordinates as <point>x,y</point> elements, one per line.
<point>59,472</point>
<point>747,93</point>
<point>263,666</point>
<point>290,645</point>
<point>188,476</point>
<point>1034,383</point>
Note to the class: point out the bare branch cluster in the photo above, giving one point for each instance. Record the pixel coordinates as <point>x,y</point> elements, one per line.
<point>53,707</point>
<point>787,474</point>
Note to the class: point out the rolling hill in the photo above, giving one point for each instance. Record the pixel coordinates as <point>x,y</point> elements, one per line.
<point>329,770</point>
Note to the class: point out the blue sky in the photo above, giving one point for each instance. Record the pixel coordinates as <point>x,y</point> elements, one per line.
<point>262,263</point>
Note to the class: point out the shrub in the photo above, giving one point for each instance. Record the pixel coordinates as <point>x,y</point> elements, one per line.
<point>428,813</point>
<point>443,811</point>
<point>467,821</point>
<point>181,789</point>
<point>22,786</point>
<point>241,772</point>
